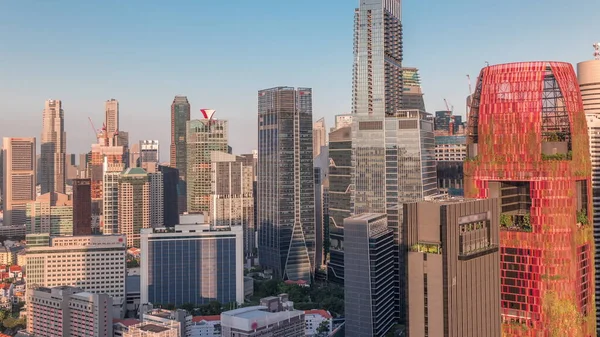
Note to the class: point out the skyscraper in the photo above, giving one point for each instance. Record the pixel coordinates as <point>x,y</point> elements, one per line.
<point>156,197</point>
<point>203,136</point>
<point>18,189</point>
<point>134,204</point>
<point>588,75</point>
<point>170,202</point>
<point>53,149</point>
<point>319,136</point>
<point>527,144</point>
<point>110,196</point>
<point>286,209</point>
<point>82,207</point>
<point>369,258</point>
<point>180,115</point>
<point>231,201</point>
<point>412,94</point>
<point>149,151</point>
<point>453,267</point>
<point>111,117</point>
<point>377,87</point>
<point>340,166</point>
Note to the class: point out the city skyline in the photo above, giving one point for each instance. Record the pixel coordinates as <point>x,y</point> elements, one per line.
<point>439,41</point>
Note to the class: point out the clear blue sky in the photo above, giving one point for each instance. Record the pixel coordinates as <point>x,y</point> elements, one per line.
<point>220,52</point>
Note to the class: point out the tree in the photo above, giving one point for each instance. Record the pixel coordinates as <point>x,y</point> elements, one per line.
<point>323,328</point>
<point>189,307</point>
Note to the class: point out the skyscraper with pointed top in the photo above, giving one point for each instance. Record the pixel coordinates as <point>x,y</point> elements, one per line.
<point>53,148</point>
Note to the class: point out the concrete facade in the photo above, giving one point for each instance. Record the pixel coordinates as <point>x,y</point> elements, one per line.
<point>19,180</point>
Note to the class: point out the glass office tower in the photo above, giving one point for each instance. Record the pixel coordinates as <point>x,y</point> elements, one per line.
<point>286,200</point>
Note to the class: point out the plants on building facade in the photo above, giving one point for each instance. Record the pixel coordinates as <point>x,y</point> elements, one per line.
<point>582,217</point>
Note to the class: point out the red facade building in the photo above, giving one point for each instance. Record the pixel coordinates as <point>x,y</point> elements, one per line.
<point>527,144</point>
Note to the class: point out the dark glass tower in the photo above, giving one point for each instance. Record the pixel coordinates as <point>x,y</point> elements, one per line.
<point>286,200</point>
<point>180,115</point>
<point>170,209</point>
<point>82,207</point>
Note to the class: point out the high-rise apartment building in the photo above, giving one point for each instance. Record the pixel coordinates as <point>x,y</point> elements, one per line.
<point>170,178</point>
<point>588,74</point>
<point>203,136</point>
<point>321,178</point>
<point>50,213</point>
<point>319,136</point>
<point>18,157</point>
<point>110,197</point>
<point>111,116</point>
<point>450,153</point>
<point>412,94</point>
<point>149,151</point>
<point>377,86</point>
<point>114,156</point>
<point>93,263</point>
<point>53,149</point>
<point>82,207</point>
<point>453,267</point>
<point>192,264</point>
<point>135,155</point>
<point>231,202</point>
<point>286,205</point>
<point>156,198</point>
<point>69,312</point>
<point>340,170</point>
<point>369,258</point>
<point>527,144</point>
<point>134,204</point>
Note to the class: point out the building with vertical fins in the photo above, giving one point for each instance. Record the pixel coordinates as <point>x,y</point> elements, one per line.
<point>134,204</point>
<point>232,203</point>
<point>412,94</point>
<point>82,207</point>
<point>370,263</point>
<point>149,151</point>
<point>340,179</point>
<point>453,284</point>
<point>285,182</point>
<point>180,115</point>
<point>53,149</point>
<point>110,196</point>
<point>203,137</point>
<point>18,161</point>
<point>527,144</point>
<point>588,75</point>
<point>377,72</point>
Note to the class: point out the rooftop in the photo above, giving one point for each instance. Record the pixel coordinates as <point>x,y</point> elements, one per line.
<point>153,328</point>
<point>321,312</point>
<point>126,322</point>
<point>206,318</point>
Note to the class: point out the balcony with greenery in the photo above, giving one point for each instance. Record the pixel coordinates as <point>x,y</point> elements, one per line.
<point>429,248</point>
<point>516,221</point>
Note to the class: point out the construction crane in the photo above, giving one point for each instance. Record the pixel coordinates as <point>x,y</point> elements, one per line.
<point>93,127</point>
<point>448,106</point>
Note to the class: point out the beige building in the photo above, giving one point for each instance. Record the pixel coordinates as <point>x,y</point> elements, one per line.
<point>68,312</point>
<point>134,204</point>
<point>319,136</point>
<point>94,263</point>
<point>50,213</point>
<point>111,122</point>
<point>203,137</point>
<point>53,149</point>
<point>232,203</point>
<point>19,178</point>
<point>588,75</point>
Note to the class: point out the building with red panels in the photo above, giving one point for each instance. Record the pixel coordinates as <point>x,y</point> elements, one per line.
<point>527,144</point>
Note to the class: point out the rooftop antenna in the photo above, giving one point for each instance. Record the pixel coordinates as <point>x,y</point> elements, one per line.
<point>597,50</point>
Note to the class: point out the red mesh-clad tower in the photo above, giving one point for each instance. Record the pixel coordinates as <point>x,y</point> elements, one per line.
<point>528,145</point>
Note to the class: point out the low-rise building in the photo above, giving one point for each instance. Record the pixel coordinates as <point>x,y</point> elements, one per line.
<point>275,316</point>
<point>68,312</point>
<point>205,326</point>
<point>146,329</point>
<point>122,325</point>
<point>160,316</point>
<point>314,319</point>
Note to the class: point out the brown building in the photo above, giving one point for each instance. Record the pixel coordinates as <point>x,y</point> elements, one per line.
<point>453,267</point>
<point>82,207</point>
<point>19,178</point>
